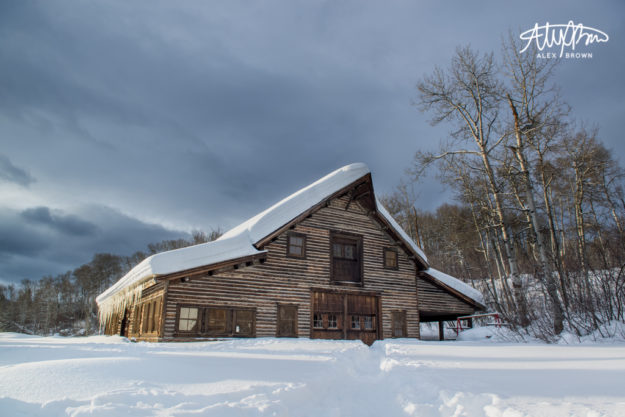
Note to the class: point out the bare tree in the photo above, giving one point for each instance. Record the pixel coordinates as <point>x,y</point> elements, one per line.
<point>468,94</point>
<point>534,107</point>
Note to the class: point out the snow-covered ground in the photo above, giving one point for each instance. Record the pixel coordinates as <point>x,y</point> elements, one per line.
<point>109,376</point>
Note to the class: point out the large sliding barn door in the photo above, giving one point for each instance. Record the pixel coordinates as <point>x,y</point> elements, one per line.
<point>344,316</point>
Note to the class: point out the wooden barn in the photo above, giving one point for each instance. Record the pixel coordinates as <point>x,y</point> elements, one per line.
<point>327,262</point>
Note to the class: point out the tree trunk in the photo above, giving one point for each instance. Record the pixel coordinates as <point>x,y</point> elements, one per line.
<point>553,234</point>
<point>543,262</point>
<point>517,283</point>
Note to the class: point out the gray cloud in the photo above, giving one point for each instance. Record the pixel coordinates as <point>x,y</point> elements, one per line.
<point>42,241</point>
<point>203,114</point>
<point>16,238</point>
<point>65,224</point>
<point>14,174</point>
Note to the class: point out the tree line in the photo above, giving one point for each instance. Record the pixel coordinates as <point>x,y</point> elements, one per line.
<point>539,212</point>
<point>65,304</point>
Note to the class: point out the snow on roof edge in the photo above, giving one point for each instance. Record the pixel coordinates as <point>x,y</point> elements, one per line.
<point>238,241</point>
<point>285,210</point>
<point>384,213</point>
<point>181,259</point>
<point>456,284</point>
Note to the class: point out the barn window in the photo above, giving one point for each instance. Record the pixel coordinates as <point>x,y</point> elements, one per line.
<point>346,258</point>
<point>243,322</point>
<point>390,258</point>
<point>356,322</point>
<point>318,321</point>
<point>187,321</point>
<point>296,245</point>
<point>332,321</point>
<point>398,324</point>
<point>368,322</point>
<point>216,321</point>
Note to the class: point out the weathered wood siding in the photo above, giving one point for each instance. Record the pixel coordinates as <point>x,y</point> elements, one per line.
<point>288,280</point>
<point>434,299</point>
<point>137,327</point>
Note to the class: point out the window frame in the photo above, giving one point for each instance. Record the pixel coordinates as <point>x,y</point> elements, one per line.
<point>317,318</point>
<point>202,319</point>
<point>384,259</point>
<point>198,320</point>
<point>399,316</point>
<point>234,312</point>
<point>348,239</point>
<point>288,245</point>
<point>372,320</point>
<point>205,320</point>
<point>336,321</point>
<point>324,319</point>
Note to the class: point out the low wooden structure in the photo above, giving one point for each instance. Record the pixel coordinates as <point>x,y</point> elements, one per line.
<point>327,262</point>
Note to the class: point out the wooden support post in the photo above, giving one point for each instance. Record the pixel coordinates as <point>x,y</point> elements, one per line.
<point>441,330</point>
<point>346,320</point>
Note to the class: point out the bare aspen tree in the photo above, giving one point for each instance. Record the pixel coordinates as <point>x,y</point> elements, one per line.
<point>545,270</point>
<point>468,94</point>
<point>536,110</point>
<point>578,159</point>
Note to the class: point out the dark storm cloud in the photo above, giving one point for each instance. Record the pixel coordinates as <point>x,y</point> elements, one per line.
<point>42,241</point>
<point>219,121</point>
<point>14,174</point>
<point>65,224</point>
<point>16,238</point>
<point>201,114</point>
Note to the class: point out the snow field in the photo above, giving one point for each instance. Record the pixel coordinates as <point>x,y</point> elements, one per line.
<point>109,376</point>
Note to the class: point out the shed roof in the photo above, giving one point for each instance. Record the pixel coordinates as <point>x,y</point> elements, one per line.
<point>457,285</point>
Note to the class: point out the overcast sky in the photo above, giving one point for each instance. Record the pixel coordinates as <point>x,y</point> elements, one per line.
<point>129,122</point>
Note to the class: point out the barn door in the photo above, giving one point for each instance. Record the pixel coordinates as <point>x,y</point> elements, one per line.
<point>344,316</point>
<point>362,315</point>
<point>287,321</point>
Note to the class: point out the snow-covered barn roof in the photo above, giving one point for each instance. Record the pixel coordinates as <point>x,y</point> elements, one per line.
<point>241,241</point>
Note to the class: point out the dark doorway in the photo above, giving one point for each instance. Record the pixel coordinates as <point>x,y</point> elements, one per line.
<point>124,326</point>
